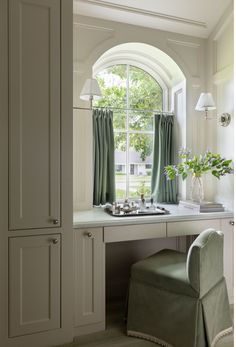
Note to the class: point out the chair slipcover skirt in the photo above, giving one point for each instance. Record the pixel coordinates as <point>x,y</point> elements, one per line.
<point>167,310</point>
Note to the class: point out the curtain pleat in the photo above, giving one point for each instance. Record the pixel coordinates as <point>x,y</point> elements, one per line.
<point>103,150</point>
<point>163,155</point>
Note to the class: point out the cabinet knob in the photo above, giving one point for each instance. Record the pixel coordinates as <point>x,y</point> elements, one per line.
<point>55,241</point>
<point>231,222</point>
<point>90,235</point>
<point>55,221</point>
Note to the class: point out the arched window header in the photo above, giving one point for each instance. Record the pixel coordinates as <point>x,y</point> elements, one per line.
<point>151,59</point>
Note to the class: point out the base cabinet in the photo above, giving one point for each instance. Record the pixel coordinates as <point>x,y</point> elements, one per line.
<point>34,284</point>
<point>89,257</point>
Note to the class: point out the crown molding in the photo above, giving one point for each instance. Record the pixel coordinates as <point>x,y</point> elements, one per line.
<point>139,11</point>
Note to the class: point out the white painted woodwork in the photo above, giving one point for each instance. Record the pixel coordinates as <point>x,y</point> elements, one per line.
<point>191,227</point>
<point>34,284</point>
<point>4,170</point>
<point>34,113</point>
<point>89,266</point>
<point>134,232</point>
<point>228,230</point>
<point>36,68</point>
<point>187,17</point>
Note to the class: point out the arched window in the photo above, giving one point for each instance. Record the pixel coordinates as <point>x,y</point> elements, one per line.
<point>133,94</point>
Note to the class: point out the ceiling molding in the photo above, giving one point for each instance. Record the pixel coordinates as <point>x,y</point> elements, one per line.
<point>139,11</point>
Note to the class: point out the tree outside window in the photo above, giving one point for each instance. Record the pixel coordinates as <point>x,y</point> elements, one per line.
<point>131,90</point>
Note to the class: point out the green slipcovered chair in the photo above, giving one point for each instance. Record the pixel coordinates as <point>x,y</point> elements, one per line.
<point>179,300</point>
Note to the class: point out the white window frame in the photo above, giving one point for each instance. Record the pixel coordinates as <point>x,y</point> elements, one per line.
<point>165,101</point>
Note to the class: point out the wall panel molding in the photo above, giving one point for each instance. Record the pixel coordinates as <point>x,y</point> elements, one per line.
<point>188,52</point>
<point>184,43</point>
<point>92,27</point>
<point>95,36</point>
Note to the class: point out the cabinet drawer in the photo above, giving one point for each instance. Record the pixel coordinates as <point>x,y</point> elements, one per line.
<point>134,232</point>
<point>191,227</point>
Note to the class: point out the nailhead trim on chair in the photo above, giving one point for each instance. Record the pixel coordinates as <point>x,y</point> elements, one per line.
<point>148,338</point>
<point>221,335</point>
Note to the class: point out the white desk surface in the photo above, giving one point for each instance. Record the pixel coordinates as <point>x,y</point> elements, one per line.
<point>96,217</point>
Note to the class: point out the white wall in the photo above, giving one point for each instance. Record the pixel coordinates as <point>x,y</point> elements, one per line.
<point>220,82</point>
<point>93,37</point>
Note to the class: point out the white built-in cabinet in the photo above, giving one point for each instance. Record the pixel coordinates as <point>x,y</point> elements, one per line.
<point>34,114</point>
<point>34,164</point>
<point>34,297</point>
<point>36,222</point>
<point>89,267</point>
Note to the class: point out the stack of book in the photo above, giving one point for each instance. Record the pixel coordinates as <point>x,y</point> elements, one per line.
<point>204,206</point>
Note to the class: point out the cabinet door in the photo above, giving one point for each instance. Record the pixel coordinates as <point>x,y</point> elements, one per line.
<point>34,113</point>
<point>89,276</point>
<point>34,284</point>
<point>228,230</point>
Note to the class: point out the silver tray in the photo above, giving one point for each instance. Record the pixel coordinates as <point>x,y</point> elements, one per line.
<point>147,212</point>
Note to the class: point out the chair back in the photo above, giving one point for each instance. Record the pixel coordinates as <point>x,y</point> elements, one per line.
<point>205,261</point>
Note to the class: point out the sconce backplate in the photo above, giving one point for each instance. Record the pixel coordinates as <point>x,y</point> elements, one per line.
<point>225,119</point>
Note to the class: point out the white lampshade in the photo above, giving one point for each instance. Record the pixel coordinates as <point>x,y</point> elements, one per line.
<point>91,90</point>
<point>205,102</point>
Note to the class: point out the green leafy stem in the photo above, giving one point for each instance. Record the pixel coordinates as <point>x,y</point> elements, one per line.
<point>199,165</point>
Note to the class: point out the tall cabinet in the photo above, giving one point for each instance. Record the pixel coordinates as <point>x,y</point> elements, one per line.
<point>36,180</point>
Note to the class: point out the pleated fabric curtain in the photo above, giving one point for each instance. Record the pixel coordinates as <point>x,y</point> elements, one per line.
<point>163,155</point>
<point>103,151</point>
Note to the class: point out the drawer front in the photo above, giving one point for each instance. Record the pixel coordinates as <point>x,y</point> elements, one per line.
<point>134,232</point>
<point>191,227</point>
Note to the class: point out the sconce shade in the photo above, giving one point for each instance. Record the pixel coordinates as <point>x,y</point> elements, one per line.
<point>205,102</point>
<point>91,90</point>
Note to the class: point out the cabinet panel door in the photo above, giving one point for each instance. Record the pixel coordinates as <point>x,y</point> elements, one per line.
<point>89,276</point>
<point>34,284</point>
<point>34,113</point>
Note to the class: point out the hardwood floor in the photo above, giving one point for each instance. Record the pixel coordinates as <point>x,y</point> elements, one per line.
<point>115,334</point>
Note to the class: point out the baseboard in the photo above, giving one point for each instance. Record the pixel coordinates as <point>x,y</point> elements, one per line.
<point>88,329</point>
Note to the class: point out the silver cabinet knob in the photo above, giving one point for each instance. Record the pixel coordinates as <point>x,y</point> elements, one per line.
<point>231,222</point>
<point>90,235</point>
<point>55,221</point>
<point>55,241</point>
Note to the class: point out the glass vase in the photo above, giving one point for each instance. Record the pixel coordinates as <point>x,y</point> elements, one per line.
<point>197,192</point>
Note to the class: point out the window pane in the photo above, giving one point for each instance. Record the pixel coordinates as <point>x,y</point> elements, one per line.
<point>141,121</point>
<point>144,91</point>
<point>140,165</point>
<point>119,120</point>
<point>112,82</point>
<point>120,165</point>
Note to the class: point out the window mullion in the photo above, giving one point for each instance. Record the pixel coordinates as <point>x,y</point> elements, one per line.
<point>127,129</point>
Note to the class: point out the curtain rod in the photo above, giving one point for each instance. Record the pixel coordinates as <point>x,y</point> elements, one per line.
<point>122,109</point>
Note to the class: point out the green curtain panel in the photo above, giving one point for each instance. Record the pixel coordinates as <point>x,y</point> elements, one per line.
<point>103,149</point>
<point>163,154</point>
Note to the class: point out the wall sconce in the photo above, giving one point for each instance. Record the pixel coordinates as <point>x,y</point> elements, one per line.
<point>90,91</point>
<point>225,119</point>
<point>206,103</point>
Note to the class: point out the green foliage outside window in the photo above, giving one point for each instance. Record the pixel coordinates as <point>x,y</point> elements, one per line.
<point>129,87</point>
<point>143,93</point>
